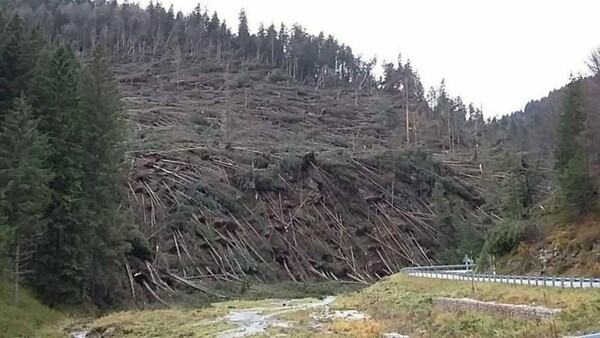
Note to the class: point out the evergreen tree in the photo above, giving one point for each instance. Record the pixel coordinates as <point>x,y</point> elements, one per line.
<point>105,176</point>
<point>440,206</point>
<point>23,176</point>
<point>443,221</point>
<point>32,52</point>
<point>2,28</point>
<point>469,239</point>
<point>261,43</point>
<point>5,238</point>
<point>571,124</point>
<point>272,43</point>
<point>517,191</point>
<point>65,250</point>
<point>9,60</point>
<point>574,184</point>
<point>244,34</point>
<point>575,187</point>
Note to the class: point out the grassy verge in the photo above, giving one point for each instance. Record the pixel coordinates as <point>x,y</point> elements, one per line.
<point>396,304</point>
<point>404,304</point>
<point>25,319</point>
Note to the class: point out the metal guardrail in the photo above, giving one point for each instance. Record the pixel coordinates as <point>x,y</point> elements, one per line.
<point>465,273</point>
<point>592,335</point>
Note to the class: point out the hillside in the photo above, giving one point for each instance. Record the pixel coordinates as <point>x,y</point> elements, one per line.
<point>247,173</point>
<point>154,158</point>
<point>554,240</point>
<point>26,319</point>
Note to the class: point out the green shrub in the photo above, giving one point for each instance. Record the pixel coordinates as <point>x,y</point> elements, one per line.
<point>504,238</point>
<point>241,81</point>
<point>140,247</point>
<point>277,76</point>
<point>199,119</point>
<point>343,172</point>
<point>258,180</point>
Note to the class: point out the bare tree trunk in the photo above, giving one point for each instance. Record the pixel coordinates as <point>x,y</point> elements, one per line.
<point>415,127</point>
<point>393,176</point>
<point>228,111</point>
<point>17,274</point>
<point>407,117</point>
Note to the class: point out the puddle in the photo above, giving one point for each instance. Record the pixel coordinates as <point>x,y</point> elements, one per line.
<point>249,323</point>
<point>252,321</point>
<point>346,315</point>
<point>80,334</point>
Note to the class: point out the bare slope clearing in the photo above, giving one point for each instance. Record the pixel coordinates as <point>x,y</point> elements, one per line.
<point>239,172</point>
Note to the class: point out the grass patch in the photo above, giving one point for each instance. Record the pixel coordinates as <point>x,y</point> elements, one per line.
<point>404,304</point>
<point>25,319</point>
<point>195,318</point>
<point>174,322</point>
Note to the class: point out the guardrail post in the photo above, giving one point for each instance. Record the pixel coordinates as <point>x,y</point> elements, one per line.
<point>571,279</point>
<point>581,282</point>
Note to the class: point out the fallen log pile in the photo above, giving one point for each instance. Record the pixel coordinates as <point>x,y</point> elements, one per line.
<point>270,181</point>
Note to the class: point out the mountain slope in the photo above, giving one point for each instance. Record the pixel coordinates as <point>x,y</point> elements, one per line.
<point>236,175</point>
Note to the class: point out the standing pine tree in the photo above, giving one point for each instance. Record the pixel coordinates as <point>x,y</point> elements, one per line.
<point>5,237</point>
<point>574,184</point>
<point>9,60</point>
<point>33,51</point>
<point>517,189</point>
<point>570,126</point>
<point>443,222</point>
<point>105,175</point>
<point>65,250</point>
<point>24,180</point>
<point>244,34</point>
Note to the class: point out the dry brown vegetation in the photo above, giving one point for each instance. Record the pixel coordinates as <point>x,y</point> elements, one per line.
<point>571,250</point>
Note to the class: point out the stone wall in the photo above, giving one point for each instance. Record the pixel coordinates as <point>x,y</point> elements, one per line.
<point>523,311</point>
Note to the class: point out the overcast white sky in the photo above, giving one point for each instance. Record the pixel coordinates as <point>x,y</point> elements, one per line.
<point>499,54</point>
